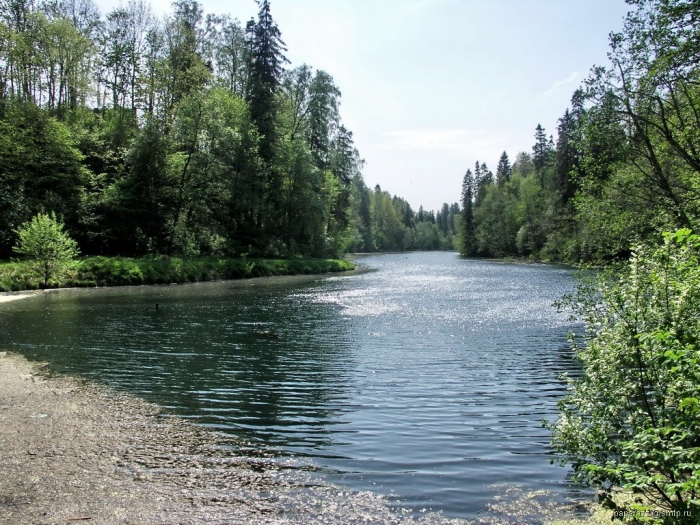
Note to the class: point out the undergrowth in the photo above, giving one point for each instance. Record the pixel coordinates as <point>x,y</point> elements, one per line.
<point>121,271</point>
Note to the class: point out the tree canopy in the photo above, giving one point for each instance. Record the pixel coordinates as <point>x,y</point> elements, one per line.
<point>183,135</point>
<point>624,166</point>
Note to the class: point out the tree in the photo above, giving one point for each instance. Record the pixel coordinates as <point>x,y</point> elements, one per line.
<point>323,118</point>
<point>483,178</point>
<point>503,170</point>
<point>184,71</point>
<point>40,168</point>
<point>265,74</point>
<point>497,222</point>
<point>124,42</point>
<point>632,419</point>
<point>46,244</point>
<point>653,80</point>
<point>567,156</point>
<point>116,53</point>
<point>361,214</point>
<point>231,56</point>
<point>467,235</point>
<point>147,195</point>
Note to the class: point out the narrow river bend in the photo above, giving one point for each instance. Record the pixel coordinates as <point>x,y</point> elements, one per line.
<point>425,379</point>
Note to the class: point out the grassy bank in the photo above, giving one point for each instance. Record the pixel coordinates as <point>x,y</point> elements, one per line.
<point>121,271</point>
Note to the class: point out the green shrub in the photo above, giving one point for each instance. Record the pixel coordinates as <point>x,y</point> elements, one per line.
<point>106,271</point>
<point>47,246</point>
<point>632,420</point>
<point>119,271</point>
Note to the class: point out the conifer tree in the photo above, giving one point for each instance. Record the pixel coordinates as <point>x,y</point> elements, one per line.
<point>543,152</point>
<point>467,236</point>
<point>540,149</point>
<point>266,67</point>
<point>567,156</point>
<point>483,179</point>
<point>504,170</point>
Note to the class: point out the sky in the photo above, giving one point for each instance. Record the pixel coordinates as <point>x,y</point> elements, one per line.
<point>431,86</point>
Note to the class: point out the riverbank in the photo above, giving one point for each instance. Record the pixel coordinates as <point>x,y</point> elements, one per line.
<point>6,297</point>
<point>76,451</point>
<point>122,271</point>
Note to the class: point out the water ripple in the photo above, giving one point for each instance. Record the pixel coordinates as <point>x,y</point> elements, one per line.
<point>426,380</point>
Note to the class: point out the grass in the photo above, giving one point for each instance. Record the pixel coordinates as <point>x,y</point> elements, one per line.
<point>121,271</point>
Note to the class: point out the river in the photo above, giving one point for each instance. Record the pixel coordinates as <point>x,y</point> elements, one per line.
<point>425,379</point>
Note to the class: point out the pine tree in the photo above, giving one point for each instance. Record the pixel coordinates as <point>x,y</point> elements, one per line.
<point>540,149</point>
<point>468,237</point>
<point>483,179</point>
<point>443,215</point>
<point>504,170</point>
<point>567,156</point>
<point>266,67</point>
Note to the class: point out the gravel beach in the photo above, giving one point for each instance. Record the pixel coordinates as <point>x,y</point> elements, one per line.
<point>73,451</point>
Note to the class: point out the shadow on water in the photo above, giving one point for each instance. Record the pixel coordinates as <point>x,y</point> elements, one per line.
<point>426,380</point>
<point>234,360</point>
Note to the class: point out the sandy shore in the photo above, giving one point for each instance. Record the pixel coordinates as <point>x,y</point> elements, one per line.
<point>72,451</point>
<point>6,297</point>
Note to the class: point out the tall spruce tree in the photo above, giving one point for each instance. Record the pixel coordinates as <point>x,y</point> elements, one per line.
<point>265,75</point>
<point>503,170</point>
<point>567,156</point>
<point>540,149</point>
<point>467,235</point>
<point>483,178</point>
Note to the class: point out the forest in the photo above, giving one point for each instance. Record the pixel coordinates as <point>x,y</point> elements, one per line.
<point>624,165</point>
<point>186,136</point>
<point>187,146</point>
<point>190,135</point>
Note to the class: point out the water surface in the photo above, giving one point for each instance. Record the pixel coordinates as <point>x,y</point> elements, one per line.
<point>426,379</point>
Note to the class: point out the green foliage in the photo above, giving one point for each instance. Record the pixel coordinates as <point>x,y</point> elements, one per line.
<point>467,237</point>
<point>518,214</point>
<point>497,221</point>
<point>626,161</point>
<point>380,222</point>
<point>185,137</point>
<point>44,242</point>
<point>121,271</point>
<point>632,419</point>
<point>40,169</point>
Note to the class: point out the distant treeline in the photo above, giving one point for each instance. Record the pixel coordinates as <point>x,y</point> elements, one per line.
<point>185,135</point>
<point>386,223</point>
<point>626,161</point>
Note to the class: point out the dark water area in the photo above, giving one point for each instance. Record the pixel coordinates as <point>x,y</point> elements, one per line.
<point>426,380</point>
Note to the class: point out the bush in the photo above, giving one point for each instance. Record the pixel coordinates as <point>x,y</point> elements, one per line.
<point>103,271</point>
<point>119,271</point>
<point>43,241</point>
<point>632,419</point>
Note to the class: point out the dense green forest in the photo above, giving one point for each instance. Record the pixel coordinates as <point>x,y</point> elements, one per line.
<point>625,162</point>
<point>191,135</point>
<point>187,135</point>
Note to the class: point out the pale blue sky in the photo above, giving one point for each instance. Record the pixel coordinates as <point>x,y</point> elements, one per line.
<point>431,86</point>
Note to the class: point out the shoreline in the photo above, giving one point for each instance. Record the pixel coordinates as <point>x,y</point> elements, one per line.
<point>100,271</point>
<point>74,450</point>
<point>6,297</point>
<point>246,282</point>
